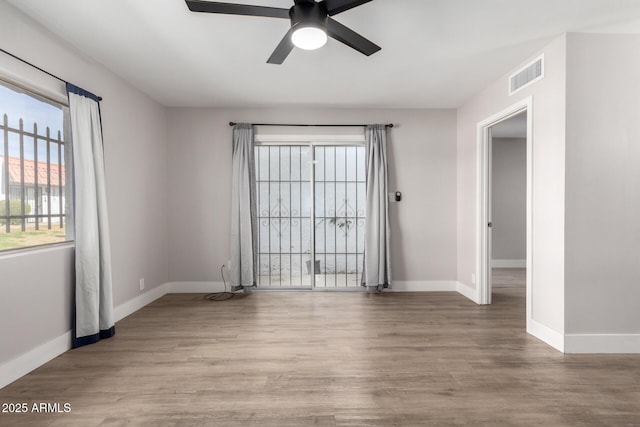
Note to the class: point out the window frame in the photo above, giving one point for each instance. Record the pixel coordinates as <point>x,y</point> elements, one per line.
<point>62,144</point>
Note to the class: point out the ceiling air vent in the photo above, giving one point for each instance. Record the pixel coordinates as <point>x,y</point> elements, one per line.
<point>531,73</point>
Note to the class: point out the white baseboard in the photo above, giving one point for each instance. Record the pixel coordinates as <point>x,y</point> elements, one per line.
<point>509,263</point>
<point>21,365</point>
<point>398,286</point>
<point>602,343</point>
<point>17,367</point>
<point>135,304</point>
<point>424,286</point>
<point>544,333</point>
<point>467,291</point>
<point>195,287</point>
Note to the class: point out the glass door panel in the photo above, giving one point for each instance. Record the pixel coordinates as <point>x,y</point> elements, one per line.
<point>339,215</point>
<point>287,209</point>
<point>284,216</point>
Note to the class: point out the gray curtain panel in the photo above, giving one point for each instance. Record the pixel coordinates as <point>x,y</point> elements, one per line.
<point>93,291</point>
<point>376,273</point>
<point>243,210</point>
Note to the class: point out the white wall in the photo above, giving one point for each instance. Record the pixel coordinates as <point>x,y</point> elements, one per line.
<point>509,199</point>
<point>422,156</point>
<point>603,185</point>
<point>548,181</point>
<point>36,287</point>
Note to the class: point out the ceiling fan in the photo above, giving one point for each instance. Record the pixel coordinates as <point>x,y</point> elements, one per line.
<point>310,23</point>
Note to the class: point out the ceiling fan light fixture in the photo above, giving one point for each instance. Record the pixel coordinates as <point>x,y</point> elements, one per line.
<point>311,23</point>
<point>309,38</point>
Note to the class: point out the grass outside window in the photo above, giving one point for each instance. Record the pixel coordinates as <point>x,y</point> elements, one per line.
<point>18,239</point>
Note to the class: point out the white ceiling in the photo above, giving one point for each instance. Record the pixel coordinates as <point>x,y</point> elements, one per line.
<point>435,53</point>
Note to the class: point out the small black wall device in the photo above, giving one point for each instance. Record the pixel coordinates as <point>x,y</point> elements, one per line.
<point>398,196</point>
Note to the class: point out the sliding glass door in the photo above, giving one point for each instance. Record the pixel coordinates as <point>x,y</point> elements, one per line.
<point>311,210</point>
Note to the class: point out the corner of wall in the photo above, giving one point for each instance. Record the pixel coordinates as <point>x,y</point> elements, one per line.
<point>468,292</point>
<point>544,333</point>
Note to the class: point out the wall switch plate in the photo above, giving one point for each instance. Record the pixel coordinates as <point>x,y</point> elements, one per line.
<point>141,284</point>
<point>394,197</point>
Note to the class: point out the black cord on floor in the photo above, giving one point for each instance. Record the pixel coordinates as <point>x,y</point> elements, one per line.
<point>220,296</point>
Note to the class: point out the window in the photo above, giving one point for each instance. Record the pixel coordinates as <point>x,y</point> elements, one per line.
<point>35,170</point>
<point>304,184</point>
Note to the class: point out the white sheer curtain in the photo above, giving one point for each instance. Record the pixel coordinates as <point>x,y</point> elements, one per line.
<point>376,273</point>
<point>93,316</point>
<point>243,210</point>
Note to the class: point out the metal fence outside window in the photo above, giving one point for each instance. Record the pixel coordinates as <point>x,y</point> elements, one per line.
<point>32,187</point>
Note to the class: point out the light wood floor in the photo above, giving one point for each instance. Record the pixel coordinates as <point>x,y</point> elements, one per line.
<point>330,359</point>
<point>508,277</point>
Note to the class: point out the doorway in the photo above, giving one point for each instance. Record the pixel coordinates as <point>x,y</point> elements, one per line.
<point>508,207</point>
<point>508,124</point>
<point>310,213</point>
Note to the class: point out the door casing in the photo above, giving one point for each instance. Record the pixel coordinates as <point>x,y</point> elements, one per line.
<point>483,203</point>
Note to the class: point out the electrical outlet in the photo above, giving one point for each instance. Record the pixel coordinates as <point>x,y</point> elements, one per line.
<point>473,279</point>
<point>141,284</point>
<point>229,264</point>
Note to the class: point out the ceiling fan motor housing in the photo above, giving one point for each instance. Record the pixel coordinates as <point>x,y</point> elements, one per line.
<point>307,13</point>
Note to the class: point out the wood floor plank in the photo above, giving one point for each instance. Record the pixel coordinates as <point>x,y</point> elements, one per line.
<point>330,359</point>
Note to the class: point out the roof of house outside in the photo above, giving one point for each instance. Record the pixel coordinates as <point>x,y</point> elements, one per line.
<point>29,172</point>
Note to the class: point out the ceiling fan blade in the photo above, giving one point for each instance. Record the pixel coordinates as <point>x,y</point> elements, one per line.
<point>350,38</point>
<point>236,9</point>
<point>283,49</point>
<point>337,6</point>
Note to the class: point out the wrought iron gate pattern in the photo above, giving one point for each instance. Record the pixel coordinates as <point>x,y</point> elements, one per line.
<point>284,197</point>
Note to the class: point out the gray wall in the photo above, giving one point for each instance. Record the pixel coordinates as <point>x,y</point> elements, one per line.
<point>603,184</point>
<point>548,180</point>
<point>509,199</point>
<point>422,155</point>
<point>36,286</point>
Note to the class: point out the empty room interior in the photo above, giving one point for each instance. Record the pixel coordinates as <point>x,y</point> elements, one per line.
<point>336,212</point>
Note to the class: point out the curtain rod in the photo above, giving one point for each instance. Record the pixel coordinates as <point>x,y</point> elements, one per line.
<point>390,125</point>
<point>38,68</point>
